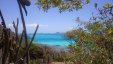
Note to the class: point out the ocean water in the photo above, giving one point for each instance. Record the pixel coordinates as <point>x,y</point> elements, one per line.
<point>51,39</point>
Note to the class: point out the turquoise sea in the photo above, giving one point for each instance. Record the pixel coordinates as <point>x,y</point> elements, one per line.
<point>51,39</point>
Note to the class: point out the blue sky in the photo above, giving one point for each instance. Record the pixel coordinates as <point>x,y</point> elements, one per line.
<point>49,22</point>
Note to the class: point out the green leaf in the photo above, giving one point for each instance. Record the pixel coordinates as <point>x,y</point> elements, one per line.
<point>110,31</point>
<point>43,1</point>
<point>107,5</point>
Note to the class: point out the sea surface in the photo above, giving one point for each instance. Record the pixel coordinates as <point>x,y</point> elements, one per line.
<point>51,40</point>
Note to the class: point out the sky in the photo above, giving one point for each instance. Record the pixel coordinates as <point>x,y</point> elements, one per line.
<point>49,22</point>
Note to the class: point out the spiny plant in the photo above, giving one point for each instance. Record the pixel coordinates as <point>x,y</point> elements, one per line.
<point>10,45</point>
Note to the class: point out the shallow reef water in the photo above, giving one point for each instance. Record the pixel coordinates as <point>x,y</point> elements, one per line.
<point>57,40</point>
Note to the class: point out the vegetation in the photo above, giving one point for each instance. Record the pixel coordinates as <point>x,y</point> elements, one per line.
<point>18,49</point>
<point>14,52</point>
<point>94,42</point>
<point>62,5</point>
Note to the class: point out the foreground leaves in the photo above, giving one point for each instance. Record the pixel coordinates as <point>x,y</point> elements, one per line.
<point>62,5</point>
<point>94,42</point>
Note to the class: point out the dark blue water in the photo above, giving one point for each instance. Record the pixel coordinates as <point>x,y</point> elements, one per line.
<point>51,39</point>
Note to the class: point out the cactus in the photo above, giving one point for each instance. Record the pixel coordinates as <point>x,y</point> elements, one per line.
<point>10,43</point>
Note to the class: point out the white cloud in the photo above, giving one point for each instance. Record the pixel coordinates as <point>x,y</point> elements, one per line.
<point>34,25</point>
<point>30,25</point>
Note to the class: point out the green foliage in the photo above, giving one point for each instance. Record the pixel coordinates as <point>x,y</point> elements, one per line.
<point>36,51</point>
<point>70,34</point>
<point>107,5</point>
<point>94,43</point>
<point>87,1</point>
<point>62,5</point>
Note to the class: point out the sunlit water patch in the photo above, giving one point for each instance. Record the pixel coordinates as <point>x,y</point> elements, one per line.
<point>57,40</point>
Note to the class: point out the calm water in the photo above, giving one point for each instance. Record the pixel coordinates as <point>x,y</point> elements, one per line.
<point>51,39</point>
